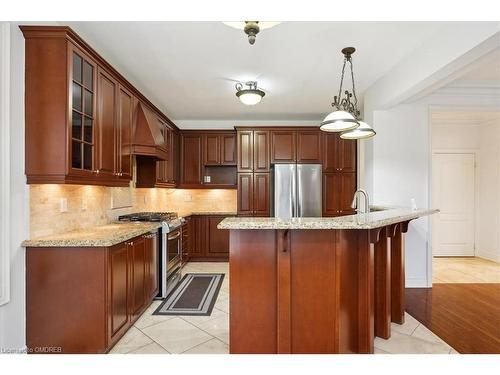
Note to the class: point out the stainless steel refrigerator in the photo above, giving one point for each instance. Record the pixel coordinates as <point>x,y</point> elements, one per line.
<point>297,190</point>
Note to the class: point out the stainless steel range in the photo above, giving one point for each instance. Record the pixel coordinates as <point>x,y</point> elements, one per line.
<point>170,257</point>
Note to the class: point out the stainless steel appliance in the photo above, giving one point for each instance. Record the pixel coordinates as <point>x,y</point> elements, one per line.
<point>297,190</point>
<point>170,257</point>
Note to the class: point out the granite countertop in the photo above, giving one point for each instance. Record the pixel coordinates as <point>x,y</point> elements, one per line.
<point>381,216</point>
<point>100,236</point>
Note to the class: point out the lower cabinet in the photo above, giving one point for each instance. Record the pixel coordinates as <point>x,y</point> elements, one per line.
<point>338,192</point>
<point>205,241</point>
<point>82,300</point>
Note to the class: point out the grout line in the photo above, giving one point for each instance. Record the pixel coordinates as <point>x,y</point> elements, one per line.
<point>214,338</point>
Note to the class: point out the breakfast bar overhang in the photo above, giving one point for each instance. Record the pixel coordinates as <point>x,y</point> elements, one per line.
<point>316,285</point>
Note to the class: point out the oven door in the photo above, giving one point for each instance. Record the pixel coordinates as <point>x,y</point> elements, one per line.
<point>173,250</point>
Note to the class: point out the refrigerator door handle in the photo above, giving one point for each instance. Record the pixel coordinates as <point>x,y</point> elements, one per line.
<point>298,194</point>
<point>294,191</point>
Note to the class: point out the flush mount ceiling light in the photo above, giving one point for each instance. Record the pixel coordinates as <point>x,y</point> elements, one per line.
<point>251,95</point>
<point>345,116</point>
<point>251,28</point>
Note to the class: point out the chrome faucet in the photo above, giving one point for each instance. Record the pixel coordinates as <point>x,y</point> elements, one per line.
<point>355,203</point>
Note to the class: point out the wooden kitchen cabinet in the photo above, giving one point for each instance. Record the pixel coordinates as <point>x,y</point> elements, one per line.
<point>254,194</point>
<point>191,159</point>
<point>218,239</point>
<point>338,191</point>
<point>219,148</point>
<point>82,123</point>
<point>339,155</point>
<point>93,293</point>
<point>106,129</point>
<point>283,146</point>
<point>261,194</point>
<point>245,150</point>
<point>126,105</point>
<point>261,151</point>
<point>309,146</point>
<point>245,194</point>
<point>118,288</point>
<point>206,241</point>
<point>151,244</point>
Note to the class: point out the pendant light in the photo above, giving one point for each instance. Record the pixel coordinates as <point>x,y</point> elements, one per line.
<point>345,116</point>
<point>252,28</point>
<point>251,95</point>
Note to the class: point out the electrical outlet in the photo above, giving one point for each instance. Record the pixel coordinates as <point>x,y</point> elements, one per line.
<point>188,197</point>
<point>63,205</point>
<point>84,205</point>
<point>145,200</point>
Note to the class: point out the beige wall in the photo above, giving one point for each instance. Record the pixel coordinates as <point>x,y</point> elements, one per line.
<point>92,205</point>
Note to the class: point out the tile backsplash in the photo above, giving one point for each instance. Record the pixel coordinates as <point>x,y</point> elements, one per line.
<point>88,206</point>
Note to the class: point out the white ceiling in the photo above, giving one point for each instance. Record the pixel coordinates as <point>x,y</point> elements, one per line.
<point>484,73</point>
<point>186,68</point>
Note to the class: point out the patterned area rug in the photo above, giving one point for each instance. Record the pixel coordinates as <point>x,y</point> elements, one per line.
<point>195,294</point>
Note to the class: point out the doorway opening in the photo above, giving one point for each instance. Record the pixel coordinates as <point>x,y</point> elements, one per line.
<point>466,188</point>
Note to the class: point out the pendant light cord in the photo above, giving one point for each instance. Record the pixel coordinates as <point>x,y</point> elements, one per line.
<point>342,80</point>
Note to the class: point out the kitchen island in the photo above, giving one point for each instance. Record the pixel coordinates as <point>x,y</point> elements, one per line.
<point>316,285</point>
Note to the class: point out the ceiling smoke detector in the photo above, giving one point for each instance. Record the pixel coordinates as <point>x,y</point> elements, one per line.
<point>252,28</point>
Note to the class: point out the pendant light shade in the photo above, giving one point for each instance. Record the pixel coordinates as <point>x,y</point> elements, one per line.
<point>339,121</point>
<point>362,132</point>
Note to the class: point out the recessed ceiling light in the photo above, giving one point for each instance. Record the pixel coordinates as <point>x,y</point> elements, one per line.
<point>251,95</point>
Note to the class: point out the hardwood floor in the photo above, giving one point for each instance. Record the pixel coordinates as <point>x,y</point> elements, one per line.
<point>466,316</point>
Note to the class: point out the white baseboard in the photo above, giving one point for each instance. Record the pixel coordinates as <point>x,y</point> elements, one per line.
<point>416,283</point>
<point>489,255</point>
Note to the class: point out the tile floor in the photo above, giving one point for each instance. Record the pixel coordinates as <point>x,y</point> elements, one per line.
<point>155,334</point>
<point>464,270</point>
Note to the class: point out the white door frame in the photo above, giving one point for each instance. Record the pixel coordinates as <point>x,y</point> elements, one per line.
<point>4,163</point>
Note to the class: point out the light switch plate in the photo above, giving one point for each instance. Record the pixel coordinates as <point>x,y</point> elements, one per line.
<point>84,204</point>
<point>63,205</point>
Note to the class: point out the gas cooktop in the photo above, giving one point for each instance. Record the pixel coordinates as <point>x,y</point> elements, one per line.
<point>149,216</point>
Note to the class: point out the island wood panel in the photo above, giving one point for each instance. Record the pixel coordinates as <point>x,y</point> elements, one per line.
<point>253,290</point>
<point>284,326</point>
<point>398,275</point>
<point>313,285</point>
<point>383,285</point>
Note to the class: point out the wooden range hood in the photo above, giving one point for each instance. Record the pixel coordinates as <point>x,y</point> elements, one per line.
<point>148,139</point>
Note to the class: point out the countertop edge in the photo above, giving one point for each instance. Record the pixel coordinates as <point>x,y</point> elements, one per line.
<point>341,222</point>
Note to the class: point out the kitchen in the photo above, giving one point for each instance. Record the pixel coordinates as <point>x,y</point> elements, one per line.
<point>150,233</point>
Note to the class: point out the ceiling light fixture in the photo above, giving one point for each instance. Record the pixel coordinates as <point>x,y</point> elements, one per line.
<point>251,95</point>
<point>252,28</point>
<point>345,117</point>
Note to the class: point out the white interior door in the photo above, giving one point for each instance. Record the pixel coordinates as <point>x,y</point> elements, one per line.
<point>453,193</point>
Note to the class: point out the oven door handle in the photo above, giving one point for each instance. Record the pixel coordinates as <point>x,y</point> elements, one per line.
<point>174,236</point>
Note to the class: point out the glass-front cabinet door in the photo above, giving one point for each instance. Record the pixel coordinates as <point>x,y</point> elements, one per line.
<point>82,103</point>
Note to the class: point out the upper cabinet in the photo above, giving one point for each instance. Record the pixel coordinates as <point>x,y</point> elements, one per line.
<point>253,150</point>
<point>191,159</point>
<point>309,146</point>
<point>84,121</point>
<point>339,155</point>
<point>219,148</point>
<point>283,146</point>
<point>301,146</point>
